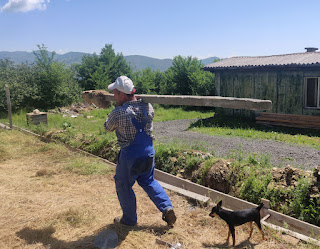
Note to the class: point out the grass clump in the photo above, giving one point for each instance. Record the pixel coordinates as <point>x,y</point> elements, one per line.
<point>75,217</point>
<point>87,166</point>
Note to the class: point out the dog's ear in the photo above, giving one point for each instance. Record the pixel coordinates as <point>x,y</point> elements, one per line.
<point>219,203</point>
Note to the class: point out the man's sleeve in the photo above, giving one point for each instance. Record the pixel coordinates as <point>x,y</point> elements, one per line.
<point>111,122</point>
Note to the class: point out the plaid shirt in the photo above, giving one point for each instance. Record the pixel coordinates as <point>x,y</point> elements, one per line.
<point>120,121</point>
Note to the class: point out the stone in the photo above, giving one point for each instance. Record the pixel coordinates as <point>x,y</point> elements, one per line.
<point>106,239</point>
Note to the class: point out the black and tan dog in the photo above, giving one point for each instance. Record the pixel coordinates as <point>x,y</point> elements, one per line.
<point>237,218</point>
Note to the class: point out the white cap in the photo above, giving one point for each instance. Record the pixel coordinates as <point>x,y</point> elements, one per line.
<point>123,84</point>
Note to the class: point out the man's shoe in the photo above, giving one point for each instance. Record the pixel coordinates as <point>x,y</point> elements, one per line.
<point>118,220</point>
<point>169,216</point>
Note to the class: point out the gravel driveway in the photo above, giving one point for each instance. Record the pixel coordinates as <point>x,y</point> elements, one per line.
<point>281,154</point>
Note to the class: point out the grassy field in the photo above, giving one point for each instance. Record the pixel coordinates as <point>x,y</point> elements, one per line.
<point>253,173</point>
<point>53,198</point>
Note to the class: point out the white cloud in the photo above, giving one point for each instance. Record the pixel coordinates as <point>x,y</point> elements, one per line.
<point>24,5</point>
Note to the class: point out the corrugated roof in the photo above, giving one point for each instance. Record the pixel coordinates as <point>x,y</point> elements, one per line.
<point>297,59</point>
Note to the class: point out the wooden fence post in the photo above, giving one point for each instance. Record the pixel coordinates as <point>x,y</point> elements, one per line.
<point>9,105</point>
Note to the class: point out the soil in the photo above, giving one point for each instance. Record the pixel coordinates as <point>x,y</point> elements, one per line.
<point>281,154</point>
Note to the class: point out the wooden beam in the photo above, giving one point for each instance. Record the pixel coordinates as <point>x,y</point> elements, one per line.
<point>289,120</point>
<point>234,203</point>
<point>93,96</point>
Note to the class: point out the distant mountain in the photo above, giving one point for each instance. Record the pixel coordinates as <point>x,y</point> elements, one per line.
<point>28,57</point>
<point>208,60</point>
<point>137,62</point>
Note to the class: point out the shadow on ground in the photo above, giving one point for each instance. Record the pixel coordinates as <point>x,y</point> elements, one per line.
<point>244,244</point>
<point>45,236</point>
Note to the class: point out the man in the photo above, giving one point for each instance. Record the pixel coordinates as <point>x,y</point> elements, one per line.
<point>132,121</point>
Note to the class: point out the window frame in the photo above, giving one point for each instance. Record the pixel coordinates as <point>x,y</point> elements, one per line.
<point>305,93</point>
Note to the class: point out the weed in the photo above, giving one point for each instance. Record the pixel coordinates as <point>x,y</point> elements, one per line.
<point>254,187</point>
<point>193,163</point>
<point>40,129</point>
<point>238,154</point>
<point>75,217</point>
<point>66,125</point>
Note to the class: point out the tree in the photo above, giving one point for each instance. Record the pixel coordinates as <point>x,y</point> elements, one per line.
<point>96,72</point>
<point>147,81</point>
<point>43,85</point>
<point>56,83</point>
<point>21,81</point>
<point>185,77</point>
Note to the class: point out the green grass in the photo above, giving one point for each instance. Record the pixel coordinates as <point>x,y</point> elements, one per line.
<point>87,166</point>
<point>91,123</point>
<point>94,124</point>
<point>248,129</point>
<point>175,113</point>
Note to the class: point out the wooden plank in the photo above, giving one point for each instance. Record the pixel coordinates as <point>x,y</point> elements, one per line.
<point>234,203</point>
<point>289,120</point>
<point>288,125</point>
<point>291,233</point>
<point>289,116</point>
<point>2,126</point>
<point>184,192</point>
<point>302,122</point>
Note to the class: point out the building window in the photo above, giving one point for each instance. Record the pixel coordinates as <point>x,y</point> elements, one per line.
<point>312,92</point>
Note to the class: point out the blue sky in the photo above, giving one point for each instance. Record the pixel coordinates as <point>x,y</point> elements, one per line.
<point>163,28</point>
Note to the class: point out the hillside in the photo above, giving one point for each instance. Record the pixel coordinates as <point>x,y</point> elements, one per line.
<point>137,62</point>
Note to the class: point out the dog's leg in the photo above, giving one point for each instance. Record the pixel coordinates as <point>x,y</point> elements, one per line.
<point>258,224</point>
<point>231,229</point>
<point>228,235</point>
<point>251,229</point>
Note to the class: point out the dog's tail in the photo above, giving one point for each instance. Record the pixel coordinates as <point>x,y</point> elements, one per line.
<point>260,206</point>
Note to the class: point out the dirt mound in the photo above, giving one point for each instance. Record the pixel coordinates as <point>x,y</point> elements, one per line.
<point>221,176</point>
<point>217,176</point>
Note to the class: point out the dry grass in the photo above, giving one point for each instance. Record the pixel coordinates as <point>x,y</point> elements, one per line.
<point>46,203</point>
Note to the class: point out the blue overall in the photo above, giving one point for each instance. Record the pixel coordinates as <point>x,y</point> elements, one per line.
<point>136,163</point>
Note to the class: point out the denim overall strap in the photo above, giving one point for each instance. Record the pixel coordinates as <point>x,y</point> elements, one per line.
<point>136,163</point>
<point>140,125</point>
<point>142,137</point>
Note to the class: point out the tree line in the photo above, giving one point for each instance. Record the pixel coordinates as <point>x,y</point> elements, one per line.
<point>47,84</point>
